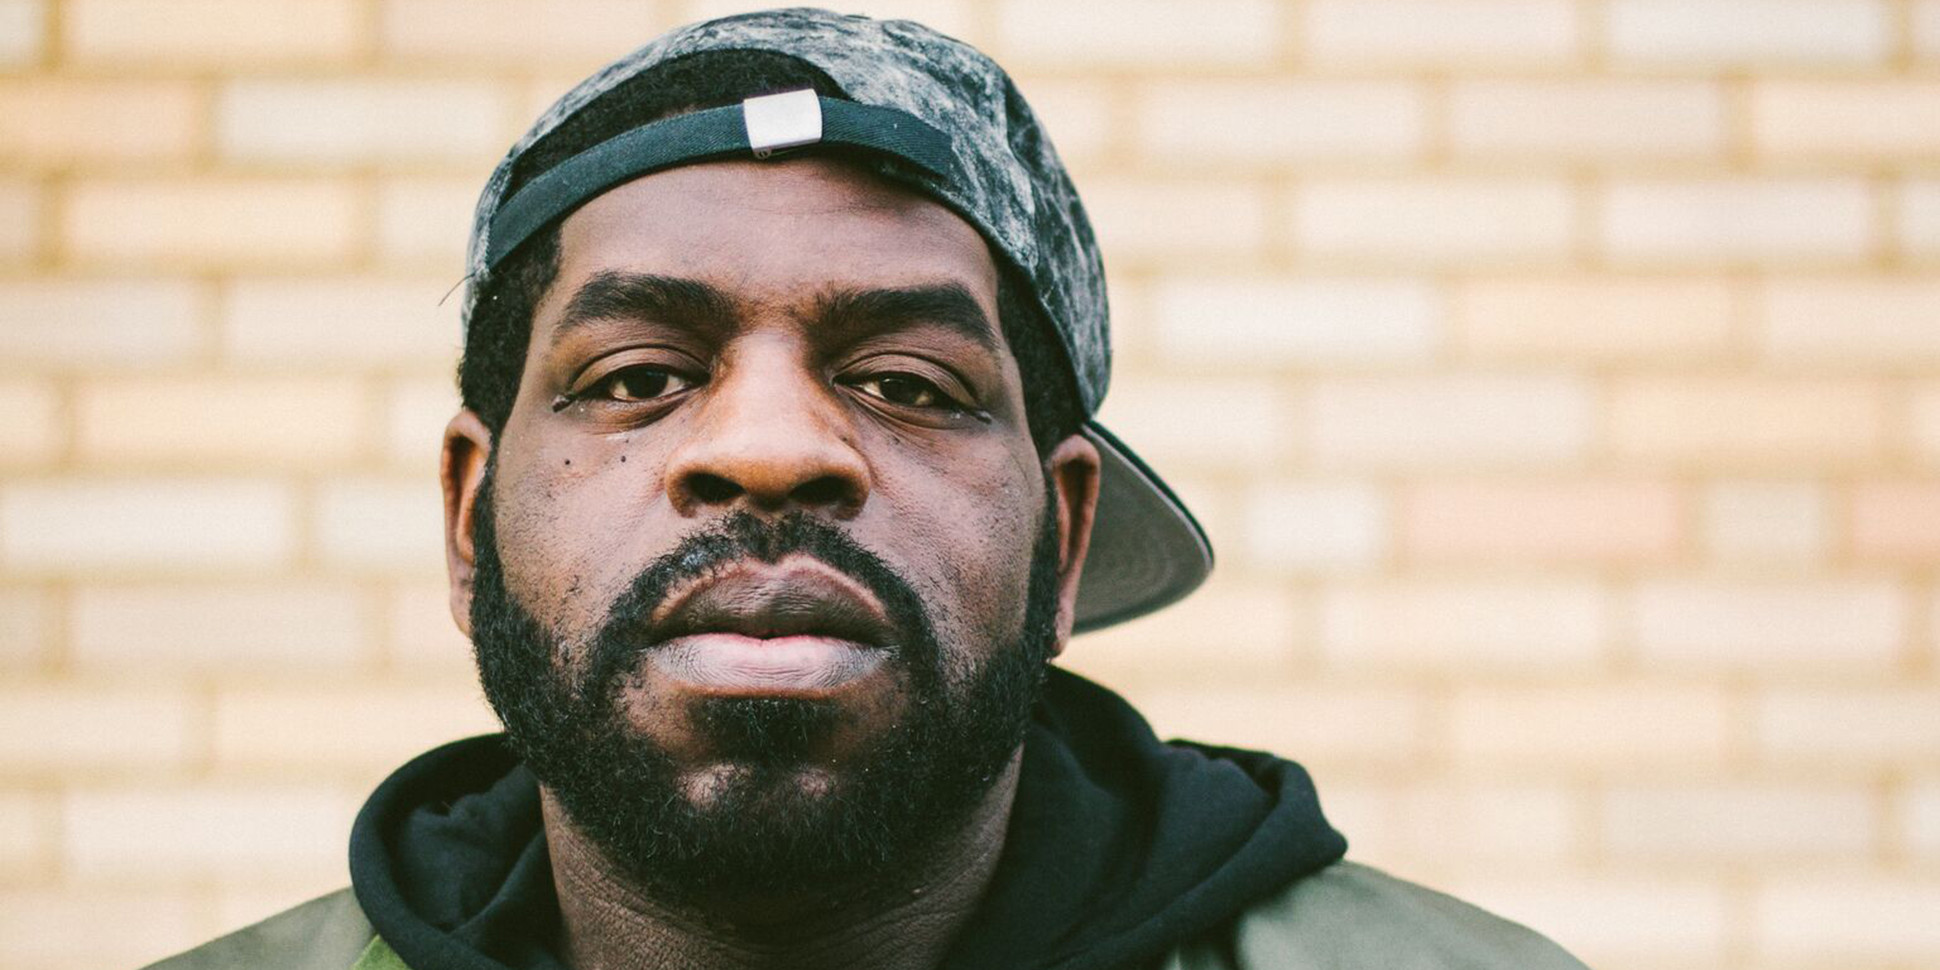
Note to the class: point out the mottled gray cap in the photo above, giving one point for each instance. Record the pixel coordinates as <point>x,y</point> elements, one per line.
<point>1001,175</point>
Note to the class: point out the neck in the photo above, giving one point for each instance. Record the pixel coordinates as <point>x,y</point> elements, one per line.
<point>610,921</point>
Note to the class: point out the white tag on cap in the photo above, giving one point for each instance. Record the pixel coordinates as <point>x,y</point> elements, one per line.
<point>778,121</point>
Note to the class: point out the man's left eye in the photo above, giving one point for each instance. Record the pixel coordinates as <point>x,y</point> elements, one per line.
<point>907,390</point>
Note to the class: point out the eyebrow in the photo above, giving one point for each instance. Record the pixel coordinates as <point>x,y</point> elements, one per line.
<point>949,305</point>
<point>614,295</point>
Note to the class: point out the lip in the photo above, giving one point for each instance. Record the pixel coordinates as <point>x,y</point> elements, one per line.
<point>797,626</point>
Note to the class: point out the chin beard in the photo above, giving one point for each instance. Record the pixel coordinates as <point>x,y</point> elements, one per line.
<point>765,820</point>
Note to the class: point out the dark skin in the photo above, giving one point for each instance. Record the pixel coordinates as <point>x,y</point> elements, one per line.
<point>779,336</point>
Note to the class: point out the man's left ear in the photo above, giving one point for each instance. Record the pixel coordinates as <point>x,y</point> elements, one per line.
<point>1074,475</point>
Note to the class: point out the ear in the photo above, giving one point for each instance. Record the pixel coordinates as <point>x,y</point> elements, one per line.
<point>461,469</point>
<point>1074,468</point>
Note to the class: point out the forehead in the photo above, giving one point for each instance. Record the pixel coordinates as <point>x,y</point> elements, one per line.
<point>774,232</point>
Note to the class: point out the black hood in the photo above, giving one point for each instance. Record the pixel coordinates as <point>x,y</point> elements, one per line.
<point>1119,848</point>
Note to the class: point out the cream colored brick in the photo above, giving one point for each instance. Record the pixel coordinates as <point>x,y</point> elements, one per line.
<point>99,323</point>
<point>1918,810</point>
<point>340,122</point>
<point>382,524</point>
<point>1695,824</point>
<point>1848,728</point>
<point>1493,32</point>
<point>1197,640</point>
<point>50,928</point>
<point>60,122</point>
<point>26,829</point>
<point>1897,520</point>
<point>1585,120</point>
<point>1924,423</point>
<point>382,324</point>
<point>1761,523</point>
<point>1080,114</point>
<point>1868,121</point>
<point>1593,319</point>
<point>1843,919</point>
<point>1151,219</point>
<point>1926,27</point>
<point>26,627</point>
<point>421,634</point>
<point>1733,32</point>
<point>73,729</point>
<point>23,32</point>
<point>1524,624</point>
<point>1450,422</point>
<point>1876,322</point>
<point>515,34</point>
<point>1473,824</point>
<point>1827,625</point>
<point>216,628</point>
<point>1722,221</point>
<point>1365,728</point>
<point>32,432</point>
<point>198,422</point>
<point>21,218</point>
<point>210,222</point>
<point>1570,521</point>
<point>1614,920</point>
<point>1611,728</point>
<point>1252,322</point>
<point>1254,123</point>
<point>363,728</point>
<point>416,412</point>
<point>226,33</point>
<point>82,525</point>
<point>1919,217</point>
<point>1324,526</point>
<point>1145,33</point>
<point>1434,221</point>
<point>1165,421</point>
<point>424,222</point>
<point>207,832</point>
<point>1744,421</point>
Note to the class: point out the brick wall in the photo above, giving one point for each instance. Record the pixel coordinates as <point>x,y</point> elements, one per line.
<point>1559,379</point>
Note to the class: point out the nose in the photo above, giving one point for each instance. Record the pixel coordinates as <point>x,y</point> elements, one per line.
<point>770,435</point>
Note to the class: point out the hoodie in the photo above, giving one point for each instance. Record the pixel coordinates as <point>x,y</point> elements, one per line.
<point>1120,848</point>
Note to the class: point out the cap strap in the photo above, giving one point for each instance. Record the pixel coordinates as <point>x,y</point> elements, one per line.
<point>777,122</point>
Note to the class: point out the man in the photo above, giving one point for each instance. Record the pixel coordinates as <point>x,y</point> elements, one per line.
<point>773,495</point>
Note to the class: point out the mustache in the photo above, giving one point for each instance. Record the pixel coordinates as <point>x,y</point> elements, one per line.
<point>736,537</point>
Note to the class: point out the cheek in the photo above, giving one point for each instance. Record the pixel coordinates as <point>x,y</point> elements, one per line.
<point>965,525</point>
<point>574,516</point>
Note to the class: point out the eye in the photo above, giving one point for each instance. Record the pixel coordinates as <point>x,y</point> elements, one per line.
<point>637,384</point>
<point>907,390</point>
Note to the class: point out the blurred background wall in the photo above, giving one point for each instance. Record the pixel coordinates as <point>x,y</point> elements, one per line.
<point>1557,379</point>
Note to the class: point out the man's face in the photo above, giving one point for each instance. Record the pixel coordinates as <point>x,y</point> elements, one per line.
<point>765,531</point>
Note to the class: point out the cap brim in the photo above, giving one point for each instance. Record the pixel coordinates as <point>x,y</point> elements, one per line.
<point>1147,551</point>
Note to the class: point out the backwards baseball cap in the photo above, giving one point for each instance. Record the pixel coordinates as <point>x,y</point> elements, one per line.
<point>937,116</point>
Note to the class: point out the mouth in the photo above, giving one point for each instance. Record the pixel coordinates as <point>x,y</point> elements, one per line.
<point>797,627</point>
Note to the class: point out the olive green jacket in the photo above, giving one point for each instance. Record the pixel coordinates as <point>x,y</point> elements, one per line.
<point>1345,917</point>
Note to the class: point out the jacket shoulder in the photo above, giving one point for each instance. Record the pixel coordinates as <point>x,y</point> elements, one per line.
<point>326,933</point>
<point>1350,916</point>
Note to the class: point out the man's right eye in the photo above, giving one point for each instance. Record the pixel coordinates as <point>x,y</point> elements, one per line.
<point>637,384</point>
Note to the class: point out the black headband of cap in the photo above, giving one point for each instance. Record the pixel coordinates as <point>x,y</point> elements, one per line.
<point>696,137</point>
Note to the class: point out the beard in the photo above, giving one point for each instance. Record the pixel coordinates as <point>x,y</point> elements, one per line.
<point>759,828</point>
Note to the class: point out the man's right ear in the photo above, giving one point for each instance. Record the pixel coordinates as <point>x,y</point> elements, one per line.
<point>461,470</point>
